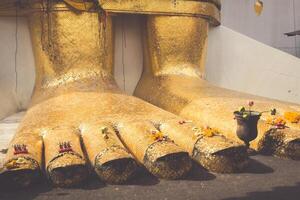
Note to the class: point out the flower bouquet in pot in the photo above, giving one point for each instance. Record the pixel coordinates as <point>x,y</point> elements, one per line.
<point>247,121</point>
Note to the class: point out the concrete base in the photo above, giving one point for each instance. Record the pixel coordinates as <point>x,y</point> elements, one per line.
<point>267,178</point>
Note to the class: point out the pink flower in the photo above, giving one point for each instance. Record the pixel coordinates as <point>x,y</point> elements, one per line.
<point>251,103</point>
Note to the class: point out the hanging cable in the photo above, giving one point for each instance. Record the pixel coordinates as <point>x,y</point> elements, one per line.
<point>123,53</point>
<point>294,13</point>
<point>16,51</point>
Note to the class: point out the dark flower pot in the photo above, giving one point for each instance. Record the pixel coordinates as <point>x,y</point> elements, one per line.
<point>247,126</point>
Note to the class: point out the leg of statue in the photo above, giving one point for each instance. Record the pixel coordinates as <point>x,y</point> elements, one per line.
<point>79,115</point>
<point>175,49</point>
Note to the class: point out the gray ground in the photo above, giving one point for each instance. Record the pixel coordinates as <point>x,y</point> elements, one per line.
<point>267,178</point>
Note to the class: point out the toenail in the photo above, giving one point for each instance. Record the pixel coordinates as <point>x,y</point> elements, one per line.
<point>158,136</point>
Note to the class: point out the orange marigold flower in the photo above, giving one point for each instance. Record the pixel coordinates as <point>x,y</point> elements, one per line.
<point>269,120</point>
<point>209,132</point>
<point>279,122</point>
<point>157,135</point>
<point>293,117</point>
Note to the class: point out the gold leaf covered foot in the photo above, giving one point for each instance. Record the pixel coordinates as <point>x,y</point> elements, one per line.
<point>81,113</point>
<point>179,55</point>
<point>173,74</point>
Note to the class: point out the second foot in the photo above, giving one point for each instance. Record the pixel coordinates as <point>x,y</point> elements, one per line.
<point>212,109</point>
<point>175,50</point>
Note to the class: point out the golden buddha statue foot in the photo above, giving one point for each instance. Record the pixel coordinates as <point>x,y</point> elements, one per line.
<point>174,55</point>
<point>78,116</point>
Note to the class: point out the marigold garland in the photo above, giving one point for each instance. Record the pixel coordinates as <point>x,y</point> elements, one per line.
<point>293,117</point>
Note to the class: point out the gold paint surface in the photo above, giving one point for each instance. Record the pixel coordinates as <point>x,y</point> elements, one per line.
<point>170,50</point>
<point>73,53</point>
<point>75,87</point>
<point>174,54</point>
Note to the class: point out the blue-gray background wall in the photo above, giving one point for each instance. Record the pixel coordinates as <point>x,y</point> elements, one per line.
<point>278,17</point>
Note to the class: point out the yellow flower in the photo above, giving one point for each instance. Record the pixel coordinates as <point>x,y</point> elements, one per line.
<point>209,132</point>
<point>293,117</point>
<point>277,121</point>
<point>12,164</point>
<point>269,120</point>
<point>157,135</point>
<point>280,121</point>
<point>21,160</point>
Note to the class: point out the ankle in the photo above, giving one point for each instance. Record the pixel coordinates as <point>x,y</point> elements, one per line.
<point>73,53</point>
<point>176,45</point>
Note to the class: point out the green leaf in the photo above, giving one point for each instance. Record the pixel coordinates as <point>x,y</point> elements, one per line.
<point>245,116</point>
<point>242,109</point>
<point>273,111</point>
